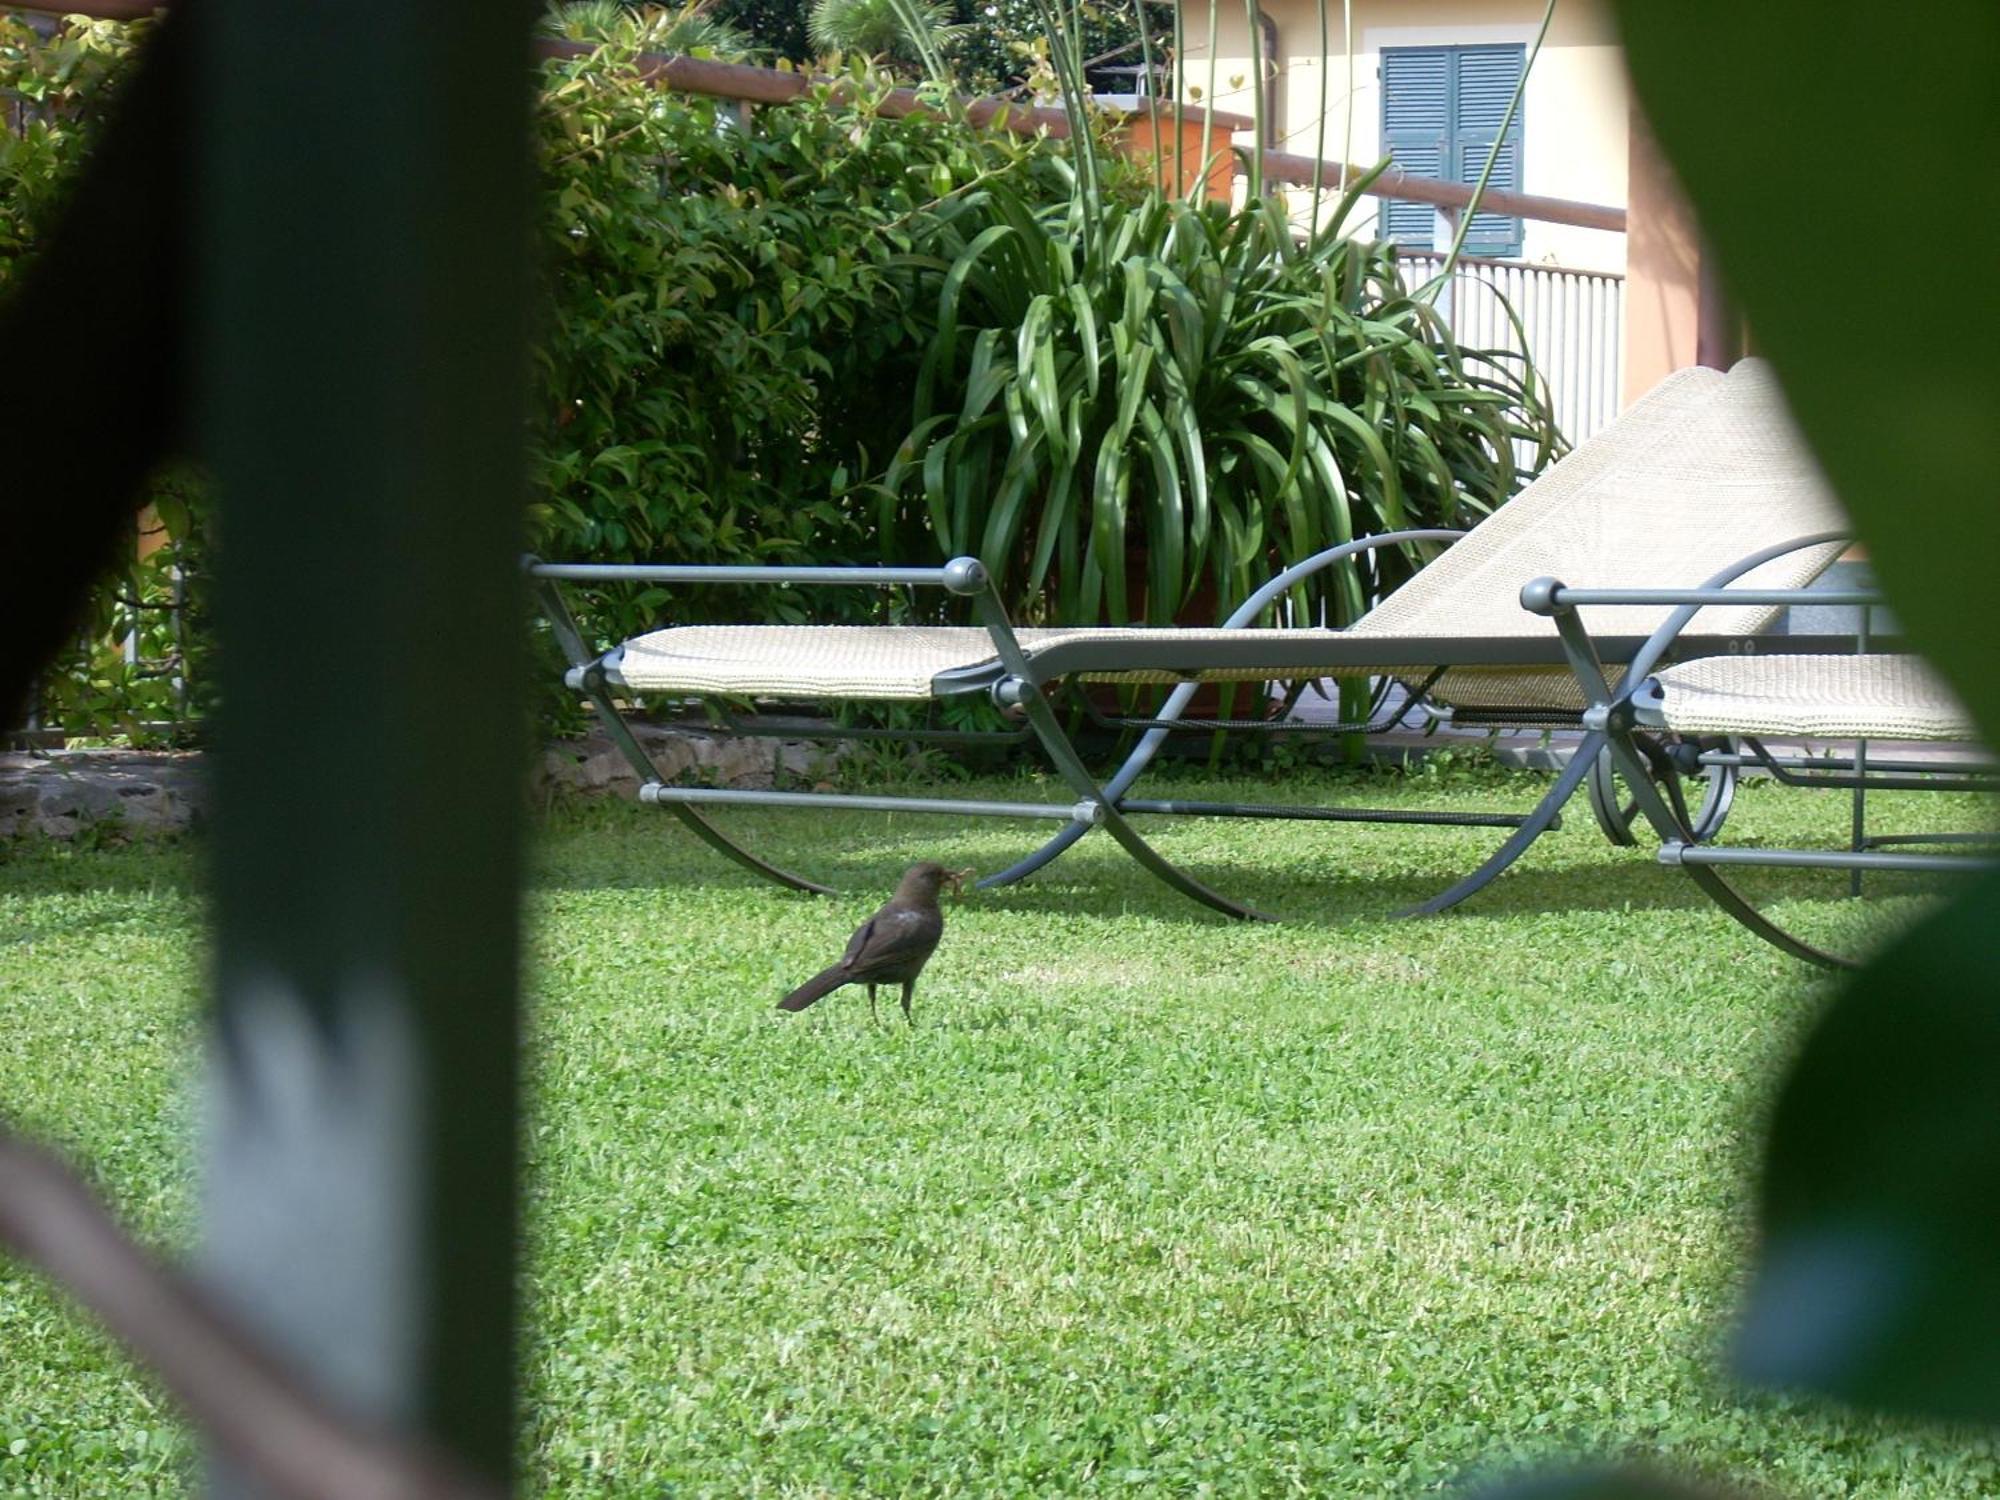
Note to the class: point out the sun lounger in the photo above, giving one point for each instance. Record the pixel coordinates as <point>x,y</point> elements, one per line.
<point>1860,696</point>
<point>1702,470</point>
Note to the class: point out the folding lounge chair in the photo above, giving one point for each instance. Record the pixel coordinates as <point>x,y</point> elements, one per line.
<point>1860,696</point>
<point>1700,471</point>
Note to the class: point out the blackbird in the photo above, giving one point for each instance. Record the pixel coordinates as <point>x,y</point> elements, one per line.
<point>892,946</point>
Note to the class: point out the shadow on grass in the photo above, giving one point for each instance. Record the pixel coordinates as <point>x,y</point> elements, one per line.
<point>33,868</point>
<point>1326,875</point>
<point>1333,887</point>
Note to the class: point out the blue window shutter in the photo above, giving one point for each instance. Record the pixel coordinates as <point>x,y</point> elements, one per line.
<point>1441,108</point>
<point>1416,131</point>
<point>1486,78</point>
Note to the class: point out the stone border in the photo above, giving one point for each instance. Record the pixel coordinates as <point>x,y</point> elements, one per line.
<point>131,794</point>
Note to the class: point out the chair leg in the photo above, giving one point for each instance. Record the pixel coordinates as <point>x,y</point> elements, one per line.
<point>1715,803</point>
<point>1120,783</point>
<point>1726,896</point>
<point>1581,764</point>
<point>1069,765</point>
<point>719,841</point>
<point>635,754</point>
<point>1614,815</point>
<point>1674,833</point>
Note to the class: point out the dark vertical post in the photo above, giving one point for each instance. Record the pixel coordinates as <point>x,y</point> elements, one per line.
<point>1858,832</point>
<point>1718,331</point>
<point>361,246</point>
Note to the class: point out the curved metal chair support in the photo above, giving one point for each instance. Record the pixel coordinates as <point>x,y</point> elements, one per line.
<point>1715,803</point>
<point>635,755</point>
<point>556,611</point>
<point>721,842</point>
<point>1102,803</point>
<point>1674,834</point>
<point>1539,822</point>
<point>1676,827</point>
<point>962,576</point>
<point>1614,814</point>
<point>1600,759</point>
<point>1243,615</point>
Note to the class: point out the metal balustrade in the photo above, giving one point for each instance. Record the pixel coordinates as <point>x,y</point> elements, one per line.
<point>1572,321</point>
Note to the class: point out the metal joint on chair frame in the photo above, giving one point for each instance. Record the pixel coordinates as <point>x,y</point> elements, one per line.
<point>1541,596</point>
<point>966,575</point>
<point>1014,692</point>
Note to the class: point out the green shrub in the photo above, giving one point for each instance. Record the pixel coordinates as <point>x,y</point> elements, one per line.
<point>736,316</point>
<point>136,666</point>
<point>49,77</point>
<point>811,334</point>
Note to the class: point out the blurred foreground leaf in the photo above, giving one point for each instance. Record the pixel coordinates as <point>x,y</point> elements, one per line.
<point>1880,1280</point>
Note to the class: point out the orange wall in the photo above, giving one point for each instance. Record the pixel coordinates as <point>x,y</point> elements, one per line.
<point>1182,158</point>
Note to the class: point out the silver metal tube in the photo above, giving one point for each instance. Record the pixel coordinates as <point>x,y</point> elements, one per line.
<point>1307,814</point>
<point>1819,859</point>
<point>1581,597</point>
<point>704,796</point>
<point>699,573</point>
<point>1957,766</point>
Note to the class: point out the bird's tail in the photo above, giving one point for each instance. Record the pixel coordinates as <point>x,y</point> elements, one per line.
<point>823,983</point>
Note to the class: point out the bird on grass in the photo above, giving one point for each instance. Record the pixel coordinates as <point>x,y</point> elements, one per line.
<point>892,946</point>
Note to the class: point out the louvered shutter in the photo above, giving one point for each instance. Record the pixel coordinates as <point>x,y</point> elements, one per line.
<point>1416,131</point>
<point>1441,107</point>
<point>1484,81</point>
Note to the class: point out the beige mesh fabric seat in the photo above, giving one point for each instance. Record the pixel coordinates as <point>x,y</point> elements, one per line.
<point>1807,697</point>
<point>1704,469</point>
<point>898,662</point>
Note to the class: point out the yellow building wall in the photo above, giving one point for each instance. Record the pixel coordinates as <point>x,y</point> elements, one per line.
<point>1575,113</point>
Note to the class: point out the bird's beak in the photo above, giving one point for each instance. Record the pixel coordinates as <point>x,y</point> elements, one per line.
<point>958,879</point>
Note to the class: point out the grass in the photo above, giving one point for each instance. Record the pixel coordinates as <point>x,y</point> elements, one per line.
<point>1147,1203</point>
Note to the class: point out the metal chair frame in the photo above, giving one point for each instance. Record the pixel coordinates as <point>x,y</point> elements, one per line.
<point>1021,683</point>
<point>1622,720</point>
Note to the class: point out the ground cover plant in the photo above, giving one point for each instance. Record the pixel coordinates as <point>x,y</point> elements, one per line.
<point>1146,1203</point>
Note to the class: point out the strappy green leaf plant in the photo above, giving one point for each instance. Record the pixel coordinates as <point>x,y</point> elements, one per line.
<point>1130,396</point>
<point>1134,398</point>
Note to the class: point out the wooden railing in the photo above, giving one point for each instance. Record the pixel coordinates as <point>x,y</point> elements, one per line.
<point>754,85</point>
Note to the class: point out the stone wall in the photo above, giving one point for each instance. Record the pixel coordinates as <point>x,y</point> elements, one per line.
<point>130,793</point>
<point>134,794</point>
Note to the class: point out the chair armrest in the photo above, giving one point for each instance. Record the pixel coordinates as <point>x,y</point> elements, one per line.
<point>962,575</point>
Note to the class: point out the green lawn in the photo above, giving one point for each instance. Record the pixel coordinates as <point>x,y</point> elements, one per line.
<point>1147,1202</point>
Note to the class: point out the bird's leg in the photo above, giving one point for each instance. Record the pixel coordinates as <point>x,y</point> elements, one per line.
<point>909,988</point>
<point>872,1016</point>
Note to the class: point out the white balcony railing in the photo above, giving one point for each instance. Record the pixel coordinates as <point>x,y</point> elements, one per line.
<point>1571,321</point>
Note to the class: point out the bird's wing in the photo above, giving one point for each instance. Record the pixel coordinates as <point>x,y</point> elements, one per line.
<point>892,935</point>
<point>859,941</point>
